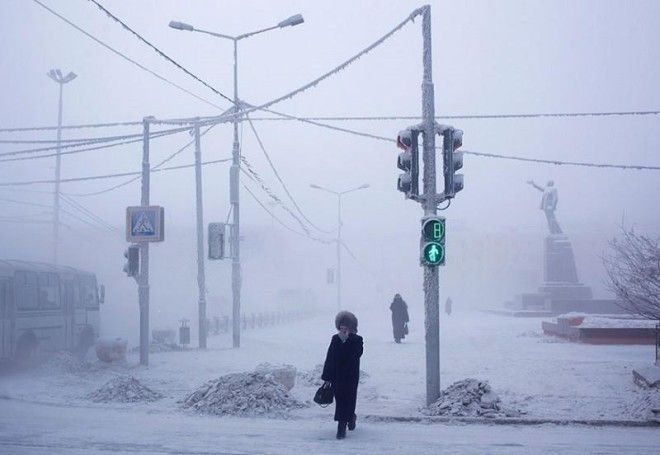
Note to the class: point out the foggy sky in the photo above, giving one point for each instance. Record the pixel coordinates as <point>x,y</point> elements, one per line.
<point>489,57</point>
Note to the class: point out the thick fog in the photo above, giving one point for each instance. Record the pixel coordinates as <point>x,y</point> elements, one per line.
<point>488,58</point>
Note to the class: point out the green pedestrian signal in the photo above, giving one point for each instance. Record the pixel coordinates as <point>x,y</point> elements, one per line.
<point>434,253</point>
<point>432,243</point>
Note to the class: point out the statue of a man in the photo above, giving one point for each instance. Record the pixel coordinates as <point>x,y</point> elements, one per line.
<point>549,204</point>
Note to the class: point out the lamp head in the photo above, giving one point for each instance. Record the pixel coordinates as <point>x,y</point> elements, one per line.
<point>291,21</point>
<point>181,26</point>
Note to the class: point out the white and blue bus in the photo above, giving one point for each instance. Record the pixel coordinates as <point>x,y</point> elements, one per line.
<point>46,308</point>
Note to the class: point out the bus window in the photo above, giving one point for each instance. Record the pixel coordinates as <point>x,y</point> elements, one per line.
<point>49,295</point>
<point>26,291</point>
<point>89,292</point>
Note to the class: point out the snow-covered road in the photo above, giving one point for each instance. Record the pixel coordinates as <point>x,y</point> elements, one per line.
<point>30,428</point>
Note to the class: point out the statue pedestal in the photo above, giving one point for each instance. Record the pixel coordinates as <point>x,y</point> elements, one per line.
<point>561,291</point>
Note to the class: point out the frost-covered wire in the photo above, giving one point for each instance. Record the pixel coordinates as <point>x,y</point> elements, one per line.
<point>280,222</point>
<point>107,176</point>
<point>279,178</point>
<point>159,52</point>
<point>324,76</point>
<point>459,116</point>
<point>139,65</point>
<point>155,167</point>
<point>70,127</point>
<point>248,171</point>
<point>155,134</point>
<point>486,155</point>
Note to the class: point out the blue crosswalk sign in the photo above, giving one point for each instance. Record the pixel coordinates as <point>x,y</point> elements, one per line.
<point>145,224</point>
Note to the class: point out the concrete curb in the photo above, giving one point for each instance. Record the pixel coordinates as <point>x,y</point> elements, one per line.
<point>512,421</point>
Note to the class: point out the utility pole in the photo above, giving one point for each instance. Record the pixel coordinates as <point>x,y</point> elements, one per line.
<point>235,228</point>
<point>338,252</point>
<point>201,276</point>
<point>338,241</point>
<point>431,280</point>
<point>56,75</point>
<point>234,170</point>
<point>143,283</point>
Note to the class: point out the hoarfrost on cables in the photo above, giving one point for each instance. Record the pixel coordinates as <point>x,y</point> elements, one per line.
<point>243,394</point>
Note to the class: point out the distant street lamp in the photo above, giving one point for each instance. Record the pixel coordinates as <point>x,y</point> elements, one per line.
<point>234,170</point>
<point>56,75</point>
<point>338,241</point>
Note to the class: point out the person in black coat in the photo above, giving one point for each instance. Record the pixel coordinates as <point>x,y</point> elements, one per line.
<point>399,318</point>
<point>341,370</point>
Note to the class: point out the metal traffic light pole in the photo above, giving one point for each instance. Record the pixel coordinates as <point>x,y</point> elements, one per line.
<point>143,280</point>
<point>201,275</point>
<point>431,280</point>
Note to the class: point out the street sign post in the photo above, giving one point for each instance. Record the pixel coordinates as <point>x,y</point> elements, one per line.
<point>145,224</point>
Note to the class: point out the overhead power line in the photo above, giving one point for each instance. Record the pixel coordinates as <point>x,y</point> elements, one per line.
<point>113,50</point>
<point>459,116</point>
<point>280,222</point>
<point>279,178</point>
<point>69,127</point>
<point>159,52</point>
<point>108,176</point>
<point>133,179</point>
<point>106,144</point>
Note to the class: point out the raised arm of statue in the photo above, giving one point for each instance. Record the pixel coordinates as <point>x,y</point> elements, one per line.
<point>531,182</point>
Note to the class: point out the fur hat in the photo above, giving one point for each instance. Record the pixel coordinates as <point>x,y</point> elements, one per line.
<point>348,319</point>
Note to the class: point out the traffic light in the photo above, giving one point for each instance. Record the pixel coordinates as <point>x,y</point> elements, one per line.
<point>216,240</point>
<point>132,265</point>
<point>408,161</point>
<point>453,161</point>
<point>432,244</point>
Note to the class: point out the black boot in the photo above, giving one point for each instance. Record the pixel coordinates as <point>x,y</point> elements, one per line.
<point>351,423</point>
<point>341,429</point>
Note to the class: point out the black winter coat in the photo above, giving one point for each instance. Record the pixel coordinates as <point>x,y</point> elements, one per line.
<point>399,317</point>
<point>342,369</point>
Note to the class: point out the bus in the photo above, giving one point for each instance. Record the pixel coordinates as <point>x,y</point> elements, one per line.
<point>46,308</point>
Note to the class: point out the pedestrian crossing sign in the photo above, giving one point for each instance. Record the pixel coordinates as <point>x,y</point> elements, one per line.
<point>145,224</point>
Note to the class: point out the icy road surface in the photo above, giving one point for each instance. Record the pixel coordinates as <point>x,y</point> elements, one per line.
<point>29,428</point>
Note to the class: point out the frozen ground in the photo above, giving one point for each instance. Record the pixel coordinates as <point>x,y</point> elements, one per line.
<point>544,377</point>
<point>28,428</point>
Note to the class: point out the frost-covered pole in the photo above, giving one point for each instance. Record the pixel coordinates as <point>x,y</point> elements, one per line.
<point>56,75</point>
<point>201,276</point>
<point>235,229</point>
<point>143,283</point>
<point>431,282</point>
<point>338,252</point>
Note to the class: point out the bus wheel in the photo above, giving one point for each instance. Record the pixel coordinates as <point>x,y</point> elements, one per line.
<point>25,348</point>
<point>85,341</point>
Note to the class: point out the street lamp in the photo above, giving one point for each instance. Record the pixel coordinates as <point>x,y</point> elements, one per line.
<point>338,241</point>
<point>56,75</point>
<point>235,167</point>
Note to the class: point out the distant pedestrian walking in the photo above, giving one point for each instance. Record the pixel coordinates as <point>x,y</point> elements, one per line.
<point>399,318</point>
<point>448,306</point>
<point>341,370</point>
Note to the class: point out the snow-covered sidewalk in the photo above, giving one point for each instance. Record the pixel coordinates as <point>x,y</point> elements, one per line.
<point>28,428</point>
<point>538,375</point>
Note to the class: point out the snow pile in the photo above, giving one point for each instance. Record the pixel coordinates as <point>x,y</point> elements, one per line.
<point>469,398</point>
<point>242,394</point>
<point>65,362</point>
<point>124,389</point>
<point>111,350</point>
<point>157,346</point>
<point>312,378</point>
<point>642,407</point>
<point>284,374</point>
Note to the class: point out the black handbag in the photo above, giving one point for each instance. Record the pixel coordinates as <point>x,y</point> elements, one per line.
<point>324,396</point>
<point>405,329</point>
